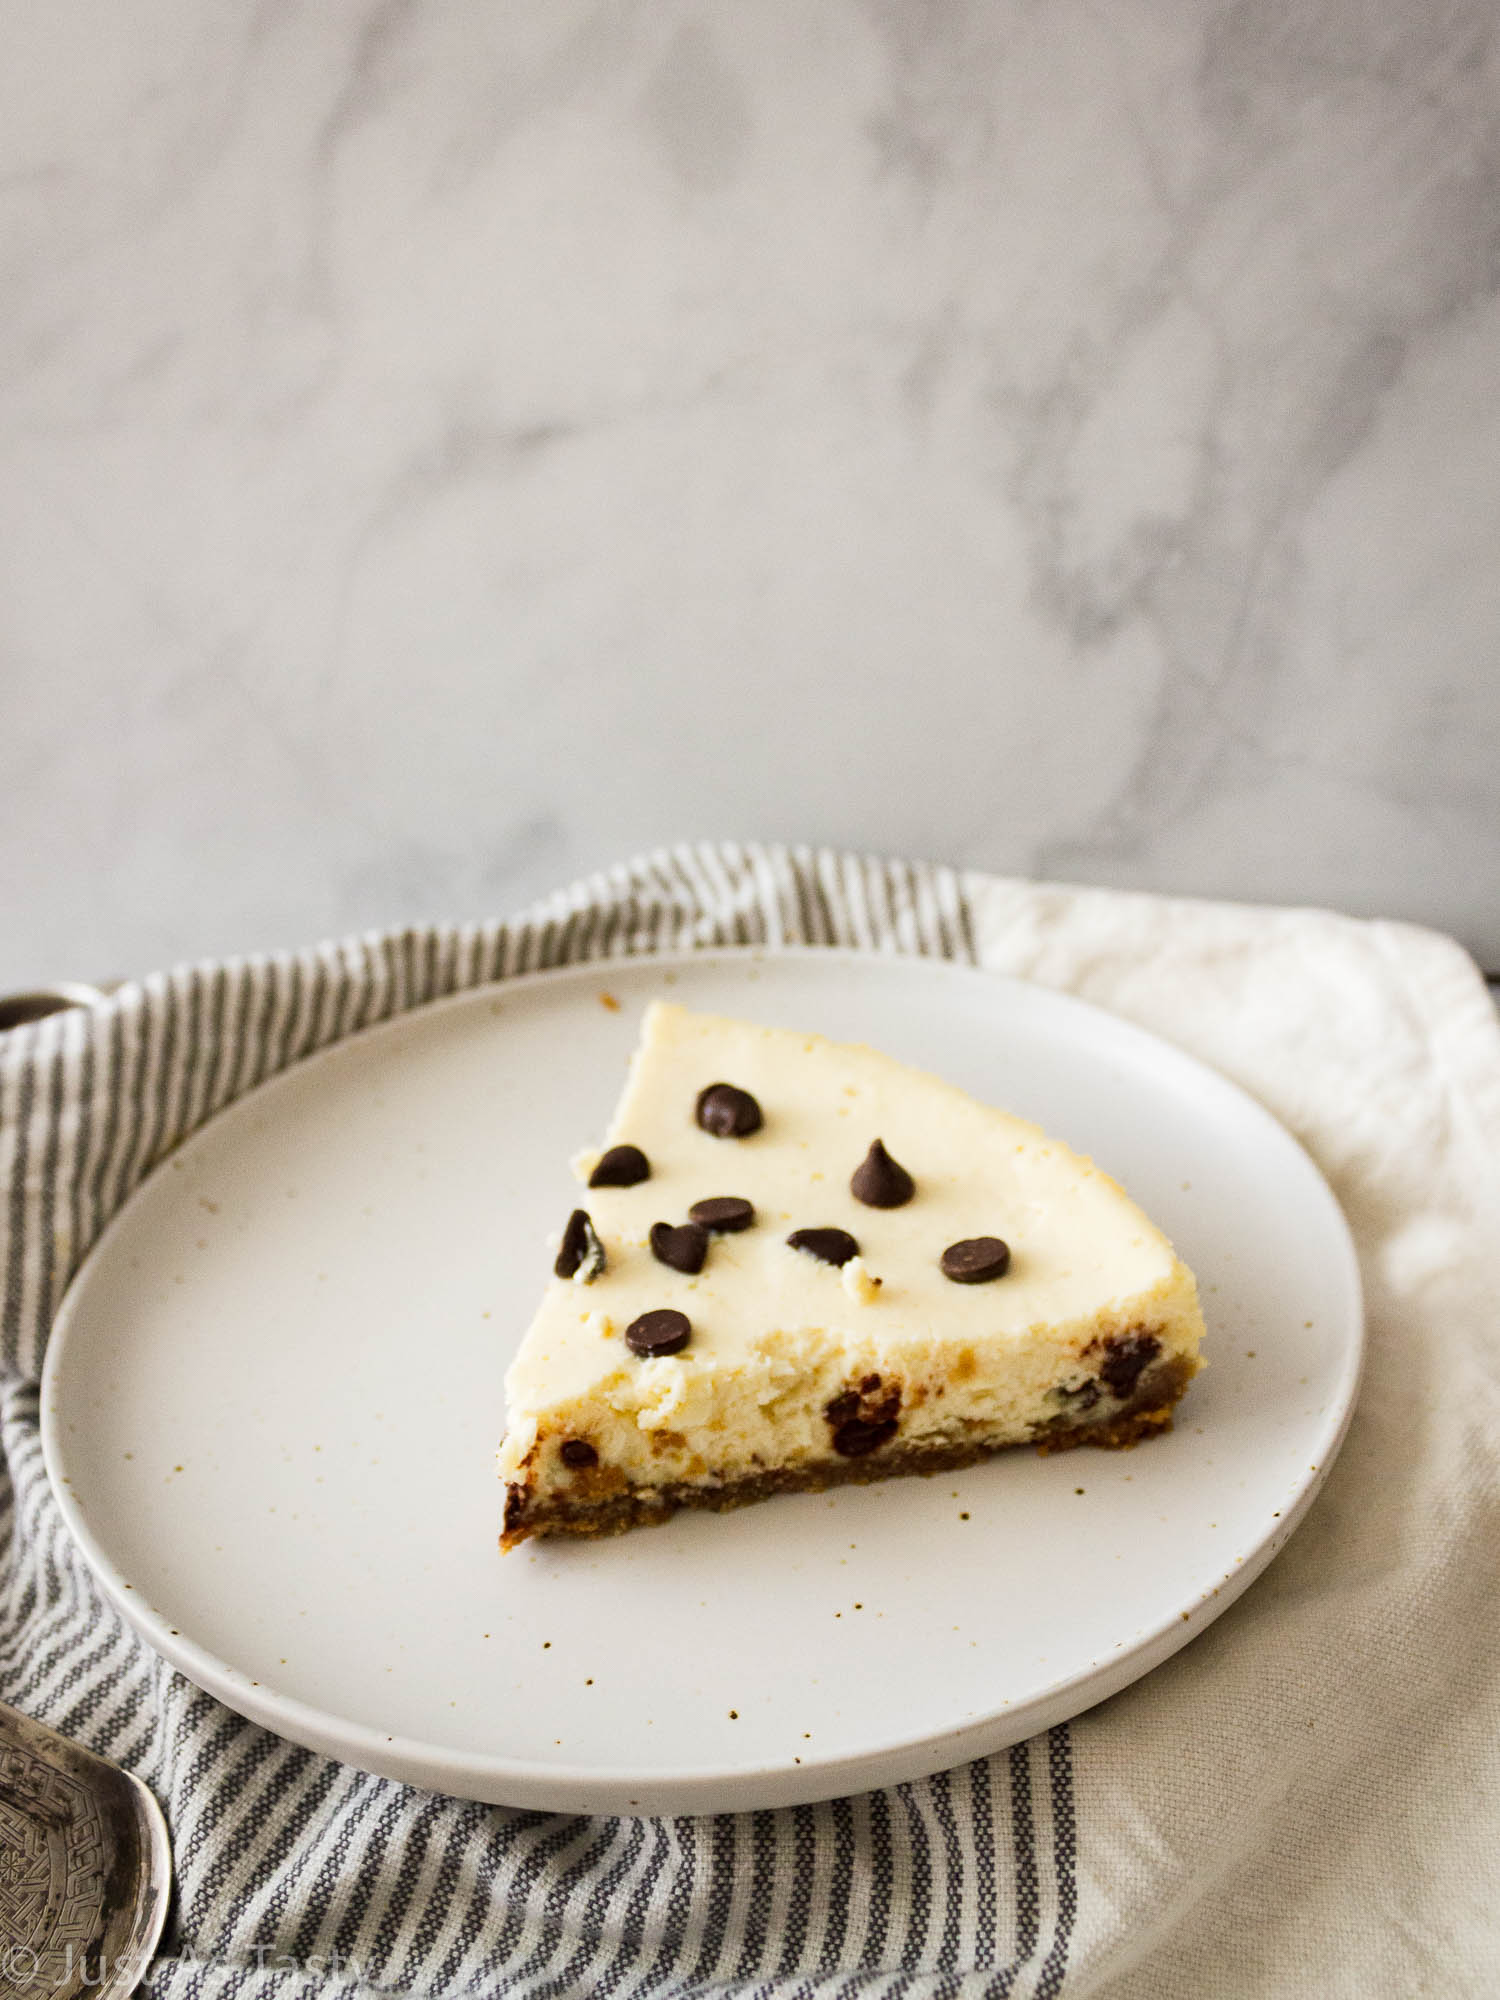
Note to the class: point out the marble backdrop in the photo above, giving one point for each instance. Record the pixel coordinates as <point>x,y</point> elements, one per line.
<point>446,447</point>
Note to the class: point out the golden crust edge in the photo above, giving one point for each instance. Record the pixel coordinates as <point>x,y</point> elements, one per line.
<point>1148,1413</point>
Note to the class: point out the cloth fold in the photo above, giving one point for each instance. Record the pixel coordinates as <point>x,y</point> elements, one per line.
<point>1303,1800</point>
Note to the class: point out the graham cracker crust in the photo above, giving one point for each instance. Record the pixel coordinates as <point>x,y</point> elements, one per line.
<point>1147,1413</point>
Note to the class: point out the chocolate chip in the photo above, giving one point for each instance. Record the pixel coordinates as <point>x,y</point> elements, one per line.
<point>829,1246</point>
<point>881,1182</point>
<point>976,1260</point>
<point>580,1254</point>
<point>621,1166</point>
<point>724,1213</point>
<point>864,1418</point>
<point>1126,1359</point>
<point>578,1452</point>
<point>661,1332</point>
<point>855,1437</point>
<point>728,1112</point>
<point>682,1249</point>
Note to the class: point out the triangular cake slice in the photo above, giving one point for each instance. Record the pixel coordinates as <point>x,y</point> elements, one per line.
<point>883,1276</point>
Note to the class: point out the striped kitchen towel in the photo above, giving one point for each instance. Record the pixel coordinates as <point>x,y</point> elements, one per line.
<point>1306,1800</point>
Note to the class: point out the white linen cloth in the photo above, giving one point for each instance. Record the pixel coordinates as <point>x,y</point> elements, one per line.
<point>1305,1800</point>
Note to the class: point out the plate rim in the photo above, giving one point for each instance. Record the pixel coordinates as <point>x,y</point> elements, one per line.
<point>562,1786</point>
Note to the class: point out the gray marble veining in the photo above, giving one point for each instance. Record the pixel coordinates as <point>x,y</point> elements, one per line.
<point>445,449</point>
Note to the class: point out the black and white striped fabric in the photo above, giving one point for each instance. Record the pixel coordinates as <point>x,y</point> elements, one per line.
<point>299,1876</point>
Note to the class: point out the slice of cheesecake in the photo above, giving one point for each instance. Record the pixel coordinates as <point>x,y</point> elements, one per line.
<point>797,1263</point>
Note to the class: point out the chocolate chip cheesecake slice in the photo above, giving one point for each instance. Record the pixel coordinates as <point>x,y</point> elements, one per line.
<point>797,1263</point>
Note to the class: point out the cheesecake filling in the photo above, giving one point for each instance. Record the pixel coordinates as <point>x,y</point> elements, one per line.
<point>884,1270</point>
<point>672,1420</point>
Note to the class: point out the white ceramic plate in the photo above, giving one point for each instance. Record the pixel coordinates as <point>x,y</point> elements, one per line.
<point>274,1392</point>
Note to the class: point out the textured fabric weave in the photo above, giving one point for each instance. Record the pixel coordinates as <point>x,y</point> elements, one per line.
<point>1261,1816</point>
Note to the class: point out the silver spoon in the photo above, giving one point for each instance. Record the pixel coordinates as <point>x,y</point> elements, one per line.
<point>85,1868</point>
<point>85,1858</point>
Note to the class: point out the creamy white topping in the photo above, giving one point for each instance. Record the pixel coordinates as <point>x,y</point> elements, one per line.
<point>776,1333</point>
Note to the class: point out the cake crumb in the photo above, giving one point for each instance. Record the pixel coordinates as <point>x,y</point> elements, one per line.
<point>859,1283</point>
